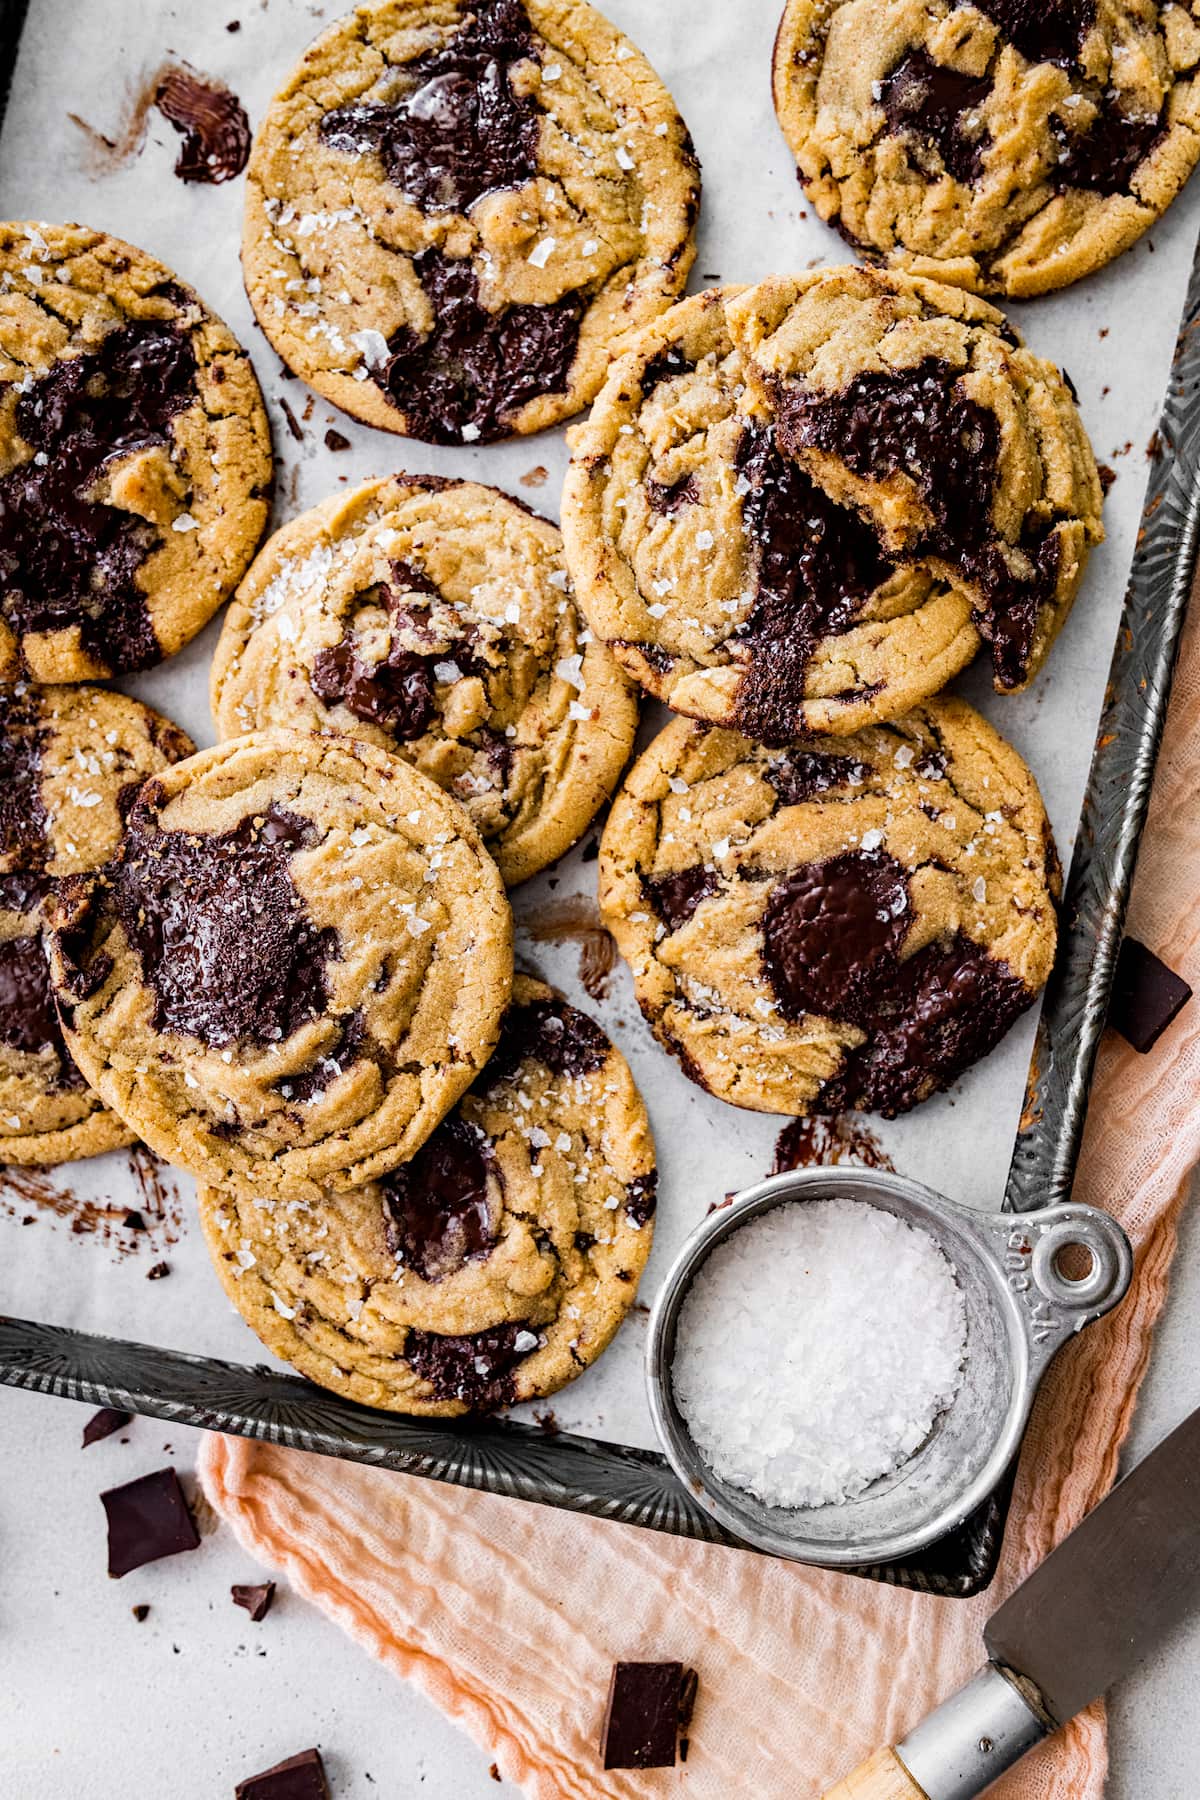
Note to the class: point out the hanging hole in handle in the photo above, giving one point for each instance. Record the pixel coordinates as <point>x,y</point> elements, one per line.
<point>1076,1265</point>
<point>1074,1261</point>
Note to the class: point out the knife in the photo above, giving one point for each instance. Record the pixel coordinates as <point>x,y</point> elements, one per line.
<point>1122,1581</point>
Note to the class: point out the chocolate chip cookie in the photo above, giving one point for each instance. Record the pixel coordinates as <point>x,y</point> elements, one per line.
<point>71,761</point>
<point>435,619</point>
<point>802,506</point>
<point>135,459</point>
<point>455,208</point>
<point>492,1267</point>
<point>1004,147</point>
<point>295,964</point>
<point>844,923</point>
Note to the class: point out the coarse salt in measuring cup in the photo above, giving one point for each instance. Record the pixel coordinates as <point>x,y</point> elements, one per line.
<point>815,1349</point>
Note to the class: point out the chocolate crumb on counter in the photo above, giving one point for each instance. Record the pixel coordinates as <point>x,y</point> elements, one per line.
<point>159,1270</point>
<point>103,1424</point>
<point>649,1706</point>
<point>147,1520</point>
<point>256,1598</point>
<point>1146,996</point>
<point>141,1612</point>
<point>300,1777</point>
<point>336,440</point>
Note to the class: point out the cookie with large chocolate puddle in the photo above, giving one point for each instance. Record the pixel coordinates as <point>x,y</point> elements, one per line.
<point>493,1266</point>
<point>135,458</point>
<point>454,211</point>
<point>71,761</point>
<point>843,923</point>
<point>435,619</point>
<point>804,506</point>
<point>1001,146</point>
<point>292,966</point>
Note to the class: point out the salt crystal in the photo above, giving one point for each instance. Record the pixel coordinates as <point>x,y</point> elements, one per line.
<point>815,1349</point>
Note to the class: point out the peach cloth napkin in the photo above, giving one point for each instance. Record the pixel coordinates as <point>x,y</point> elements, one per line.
<point>509,1616</point>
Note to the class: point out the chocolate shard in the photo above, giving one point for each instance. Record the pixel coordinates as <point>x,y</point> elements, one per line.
<point>649,1704</point>
<point>256,1599</point>
<point>1146,996</point>
<point>147,1519</point>
<point>141,1612</point>
<point>103,1424</point>
<point>300,1777</point>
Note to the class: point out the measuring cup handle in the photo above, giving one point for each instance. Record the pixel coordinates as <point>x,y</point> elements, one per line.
<point>1054,1303</point>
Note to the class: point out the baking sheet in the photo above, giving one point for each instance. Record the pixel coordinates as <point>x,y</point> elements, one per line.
<point>65,1255</point>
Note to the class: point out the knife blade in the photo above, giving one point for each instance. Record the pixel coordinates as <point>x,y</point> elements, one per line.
<point>1113,1590</point>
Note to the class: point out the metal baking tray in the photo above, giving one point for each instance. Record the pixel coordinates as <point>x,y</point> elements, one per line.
<point>632,1485</point>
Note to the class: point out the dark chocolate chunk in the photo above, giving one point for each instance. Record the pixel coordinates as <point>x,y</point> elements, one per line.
<point>476,1369</point>
<point>158,1272</point>
<point>22,812</point>
<point>141,1612</point>
<point>663,367</point>
<point>336,440</point>
<point>328,1066</point>
<point>1104,158</point>
<point>212,122</point>
<point>1146,996</point>
<point>396,692</point>
<point>68,560</point>
<point>476,369</point>
<point>458,128</point>
<point>816,562</point>
<point>648,1705</point>
<point>28,1016</point>
<point>103,1424</point>
<point>256,1600</point>
<point>668,497</point>
<point>641,1198</point>
<point>832,936</point>
<point>676,897</point>
<point>147,1519</point>
<point>1043,32</point>
<point>938,107</point>
<point>802,774</point>
<point>439,1208</point>
<point>300,1777</point>
<point>222,935</point>
<point>550,1032</point>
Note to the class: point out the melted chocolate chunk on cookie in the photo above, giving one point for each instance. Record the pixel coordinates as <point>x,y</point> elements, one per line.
<point>476,369</point>
<point>68,560</point>
<point>397,691</point>
<point>22,813</point>
<point>663,367</point>
<point>549,1032</point>
<point>802,774</point>
<point>676,897</point>
<point>439,1209</point>
<point>28,1019</point>
<point>641,1198</point>
<point>1042,30</point>
<point>220,929</point>
<point>667,497</point>
<point>1105,158</point>
<point>832,939</point>
<point>477,1369</point>
<point>816,562</point>
<point>312,1083</point>
<point>920,423</point>
<point>458,128</point>
<point>938,107</point>
<point>212,122</point>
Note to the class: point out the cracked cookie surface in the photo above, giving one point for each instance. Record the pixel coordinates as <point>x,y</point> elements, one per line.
<point>435,619</point>
<point>453,212</point>
<point>294,965</point>
<point>135,457</point>
<point>802,506</point>
<point>844,923</point>
<point>996,145</point>
<point>71,760</point>
<point>495,1265</point>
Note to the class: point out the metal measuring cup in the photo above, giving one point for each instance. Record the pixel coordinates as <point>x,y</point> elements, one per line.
<point>1020,1306</point>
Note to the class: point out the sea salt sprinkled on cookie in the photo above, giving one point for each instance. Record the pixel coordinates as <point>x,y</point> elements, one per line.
<point>816,1348</point>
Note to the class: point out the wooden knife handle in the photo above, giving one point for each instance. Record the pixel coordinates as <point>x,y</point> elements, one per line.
<point>882,1777</point>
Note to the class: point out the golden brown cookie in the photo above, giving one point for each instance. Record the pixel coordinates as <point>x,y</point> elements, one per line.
<point>71,760</point>
<point>1000,146</point>
<point>802,506</point>
<point>435,619</point>
<point>135,458</point>
<point>495,1265</point>
<point>454,212</point>
<point>297,963</point>
<point>844,923</point>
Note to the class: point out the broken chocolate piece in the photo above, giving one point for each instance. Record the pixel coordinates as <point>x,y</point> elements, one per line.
<point>103,1424</point>
<point>648,1706</point>
<point>256,1599</point>
<point>1146,996</point>
<point>147,1519</point>
<point>141,1612</point>
<point>300,1777</point>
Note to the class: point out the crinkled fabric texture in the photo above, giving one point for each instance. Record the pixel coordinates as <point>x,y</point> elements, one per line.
<point>1005,148</point>
<point>802,1673</point>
